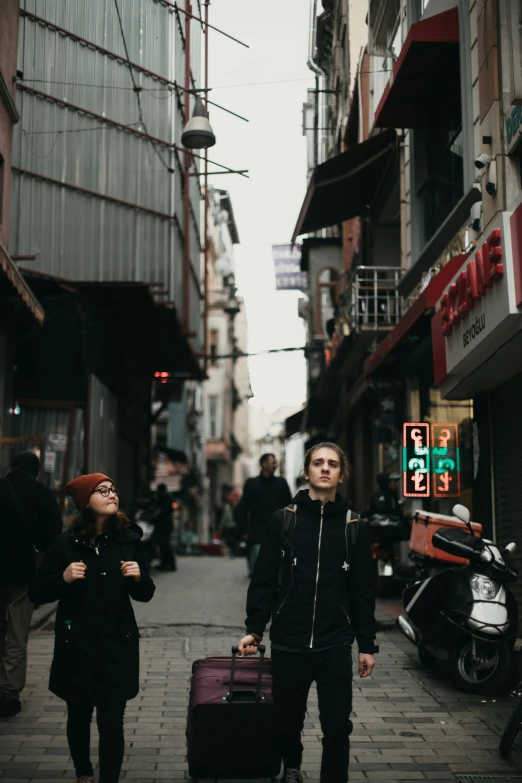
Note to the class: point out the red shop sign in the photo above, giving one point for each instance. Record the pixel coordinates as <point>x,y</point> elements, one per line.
<point>472,284</point>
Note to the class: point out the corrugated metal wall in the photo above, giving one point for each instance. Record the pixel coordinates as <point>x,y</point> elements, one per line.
<point>80,236</point>
<point>103,429</point>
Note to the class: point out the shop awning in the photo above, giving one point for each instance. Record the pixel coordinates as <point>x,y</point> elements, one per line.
<point>16,284</point>
<point>423,306</point>
<point>426,74</point>
<point>346,185</point>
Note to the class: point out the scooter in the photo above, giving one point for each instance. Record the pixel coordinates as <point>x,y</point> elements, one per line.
<point>465,615</point>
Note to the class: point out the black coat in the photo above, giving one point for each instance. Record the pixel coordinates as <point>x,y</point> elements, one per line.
<point>261,497</point>
<point>327,605</point>
<point>96,651</point>
<point>31,520</point>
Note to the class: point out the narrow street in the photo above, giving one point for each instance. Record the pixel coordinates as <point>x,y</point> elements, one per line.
<point>410,723</point>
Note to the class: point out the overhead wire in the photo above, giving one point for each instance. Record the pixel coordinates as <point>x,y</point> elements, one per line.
<point>137,90</point>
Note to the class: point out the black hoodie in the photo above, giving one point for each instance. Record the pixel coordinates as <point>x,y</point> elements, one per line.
<point>327,606</point>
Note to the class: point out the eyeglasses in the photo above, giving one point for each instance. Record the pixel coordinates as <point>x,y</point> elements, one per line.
<point>106,491</point>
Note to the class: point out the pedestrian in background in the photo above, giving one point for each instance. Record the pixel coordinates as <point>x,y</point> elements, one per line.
<point>227,524</point>
<point>262,496</point>
<point>29,520</point>
<point>163,527</point>
<point>321,597</point>
<point>93,570</point>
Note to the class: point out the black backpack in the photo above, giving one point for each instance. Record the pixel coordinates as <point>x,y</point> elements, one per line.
<point>287,530</point>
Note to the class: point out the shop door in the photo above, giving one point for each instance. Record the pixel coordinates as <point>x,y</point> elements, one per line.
<point>506,435</point>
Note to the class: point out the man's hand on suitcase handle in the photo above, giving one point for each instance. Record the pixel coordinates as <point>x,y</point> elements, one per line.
<point>248,645</point>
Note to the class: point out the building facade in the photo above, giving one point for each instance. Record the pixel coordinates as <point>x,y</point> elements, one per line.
<point>227,388</point>
<point>20,312</point>
<point>100,187</point>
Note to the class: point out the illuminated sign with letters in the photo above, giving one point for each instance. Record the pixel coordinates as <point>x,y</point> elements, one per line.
<point>431,460</point>
<point>416,460</point>
<point>445,460</point>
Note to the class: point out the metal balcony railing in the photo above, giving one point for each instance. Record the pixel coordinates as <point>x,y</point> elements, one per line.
<point>371,302</point>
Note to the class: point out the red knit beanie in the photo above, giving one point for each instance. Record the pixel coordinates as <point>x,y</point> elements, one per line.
<point>81,488</point>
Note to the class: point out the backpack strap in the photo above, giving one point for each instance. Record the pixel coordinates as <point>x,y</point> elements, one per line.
<point>350,536</point>
<point>287,529</point>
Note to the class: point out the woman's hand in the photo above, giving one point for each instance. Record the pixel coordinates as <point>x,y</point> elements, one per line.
<point>74,571</point>
<point>247,646</point>
<point>131,568</point>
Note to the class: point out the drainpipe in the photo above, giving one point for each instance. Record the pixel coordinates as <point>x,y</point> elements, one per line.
<point>206,243</point>
<point>186,182</point>
<point>404,226</point>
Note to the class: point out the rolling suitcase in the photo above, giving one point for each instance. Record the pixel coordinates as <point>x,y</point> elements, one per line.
<point>230,728</point>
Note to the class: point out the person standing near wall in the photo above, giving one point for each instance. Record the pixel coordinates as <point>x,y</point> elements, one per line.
<point>93,570</point>
<point>29,519</point>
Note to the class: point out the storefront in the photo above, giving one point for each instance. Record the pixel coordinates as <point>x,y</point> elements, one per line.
<point>477,352</point>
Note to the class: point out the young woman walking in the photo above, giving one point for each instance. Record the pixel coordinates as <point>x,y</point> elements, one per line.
<point>93,570</point>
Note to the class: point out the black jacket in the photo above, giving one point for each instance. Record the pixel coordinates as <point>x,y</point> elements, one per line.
<point>31,520</point>
<point>327,605</point>
<point>261,497</point>
<point>96,653</point>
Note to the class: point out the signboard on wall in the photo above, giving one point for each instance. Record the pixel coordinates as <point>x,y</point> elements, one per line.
<point>416,460</point>
<point>287,263</point>
<point>445,460</point>
<point>431,460</point>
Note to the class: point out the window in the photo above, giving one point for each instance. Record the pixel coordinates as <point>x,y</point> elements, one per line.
<point>327,297</point>
<point>443,183</point>
<point>2,172</point>
<point>214,344</point>
<point>212,414</point>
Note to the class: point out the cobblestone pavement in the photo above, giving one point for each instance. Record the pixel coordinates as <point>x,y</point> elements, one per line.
<point>410,723</point>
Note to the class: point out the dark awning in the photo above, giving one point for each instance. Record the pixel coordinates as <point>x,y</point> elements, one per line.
<point>423,306</point>
<point>345,186</point>
<point>426,74</point>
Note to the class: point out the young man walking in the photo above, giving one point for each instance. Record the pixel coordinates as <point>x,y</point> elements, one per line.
<point>314,578</point>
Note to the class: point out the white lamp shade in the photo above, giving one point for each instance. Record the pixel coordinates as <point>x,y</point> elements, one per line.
<point>198,133</point>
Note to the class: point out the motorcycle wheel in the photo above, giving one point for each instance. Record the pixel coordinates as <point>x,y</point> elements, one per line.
<point>510,732</point>
<point>486,678</point>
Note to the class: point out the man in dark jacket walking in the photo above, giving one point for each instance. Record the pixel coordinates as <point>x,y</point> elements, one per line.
<point>30,519</point>
<point>261,496</point>
<point>163,528</point>
<point>315,580</point>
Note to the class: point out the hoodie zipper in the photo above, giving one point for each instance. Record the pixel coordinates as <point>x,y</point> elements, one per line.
<point>317,574</point>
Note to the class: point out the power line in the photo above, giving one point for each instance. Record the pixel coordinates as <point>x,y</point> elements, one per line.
<point>242,355</point>
<point>137,89</point>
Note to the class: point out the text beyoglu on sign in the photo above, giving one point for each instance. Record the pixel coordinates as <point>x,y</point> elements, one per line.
<point>472,284</point>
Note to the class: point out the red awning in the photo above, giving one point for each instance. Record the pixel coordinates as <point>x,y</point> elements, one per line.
<point>426,302</point>
<point>426,74</point>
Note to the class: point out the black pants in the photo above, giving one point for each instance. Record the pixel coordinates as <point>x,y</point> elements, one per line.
<point>161,538</point>
<point>109,718</point>
<point>293,675</point>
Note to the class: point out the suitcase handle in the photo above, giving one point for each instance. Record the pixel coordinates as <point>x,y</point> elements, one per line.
<point>230,694</point>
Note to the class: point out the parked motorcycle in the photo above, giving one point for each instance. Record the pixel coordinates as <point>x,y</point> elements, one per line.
<point>465,615</point>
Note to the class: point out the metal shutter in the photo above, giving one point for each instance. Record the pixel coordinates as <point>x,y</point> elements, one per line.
<point>506,435</point>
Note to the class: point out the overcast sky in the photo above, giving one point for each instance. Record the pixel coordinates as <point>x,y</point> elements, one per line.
<point>272,147</point>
